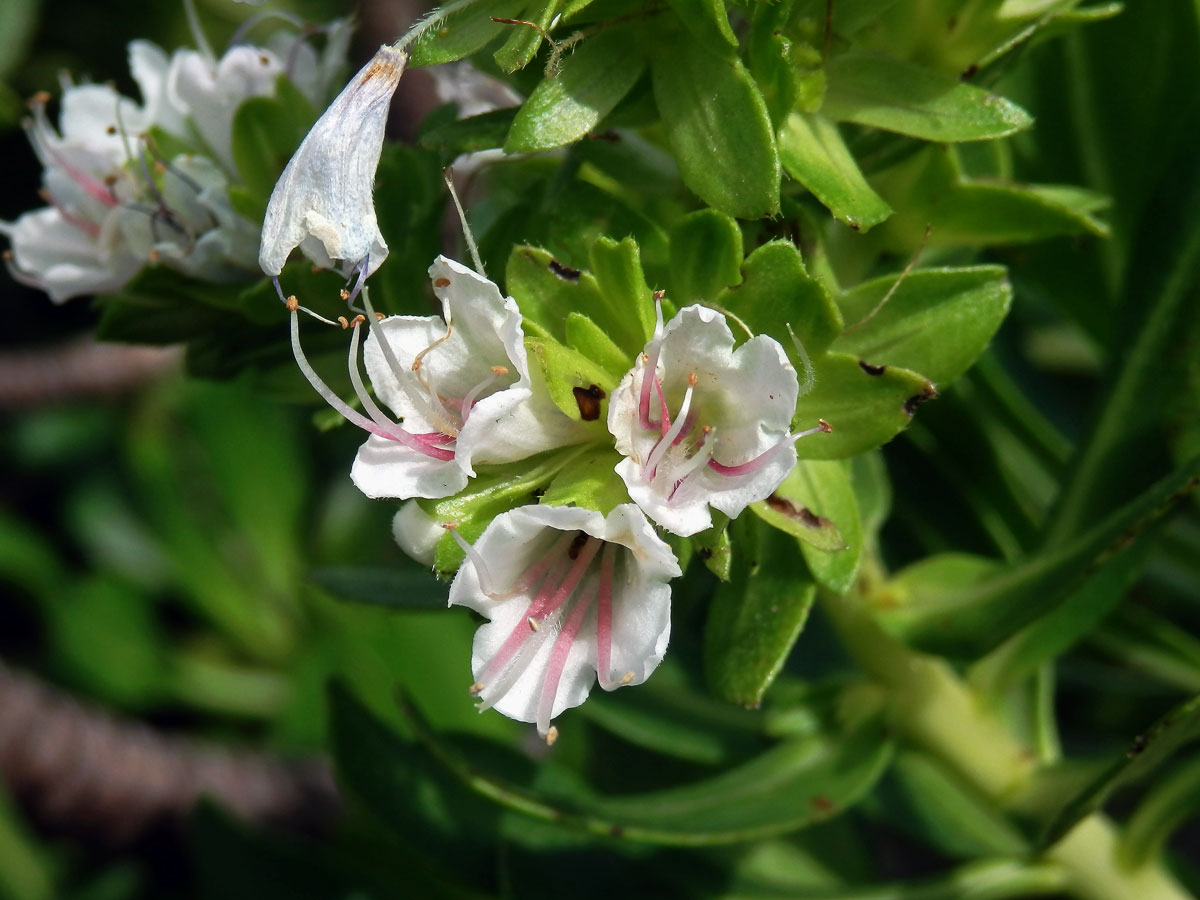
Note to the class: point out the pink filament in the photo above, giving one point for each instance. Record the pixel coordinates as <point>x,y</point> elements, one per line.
<point>558,661</point>
<point>604,618</point>
<point>542,605</point>
<point>398,434</point>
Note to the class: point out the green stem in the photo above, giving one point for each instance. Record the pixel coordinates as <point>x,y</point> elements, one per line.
<point>436,17</point>
<point>932,707</point>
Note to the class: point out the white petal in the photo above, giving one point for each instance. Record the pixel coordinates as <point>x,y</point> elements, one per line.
<point>512,543</point>
<point>384,468</point>
<point>55,256</point>
<point>151,68</point>
<point>417,532</point>
<point>326,189</point>
<point>212,94</point>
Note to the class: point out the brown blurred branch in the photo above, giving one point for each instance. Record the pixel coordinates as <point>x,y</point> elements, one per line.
<point>78,368</point>
<point>87,772</point>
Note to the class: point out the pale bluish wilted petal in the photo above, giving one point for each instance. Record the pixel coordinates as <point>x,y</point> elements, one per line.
<point>323,202</point>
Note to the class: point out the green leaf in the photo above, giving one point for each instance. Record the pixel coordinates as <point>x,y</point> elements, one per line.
<point>461,34</point>
<point>898,96</point>
<point>485,131</point>
<point>947,812</point>
<point>822,489</point>
<point>708,22</point>
<point>718,128</point>
<point>756,616</point>
<point>935,321</point>
<point>630,303</point>
<point>706,256</point>
<point>548,292</point>
<point>1158,303</point>
<point>970,615</point>
<point>1149,750</point>
<point>1168,804</point>
<point>1052,634</point>
<point>105,636</point>
<point>161,307</point>
<point>670,716</point>
<point>566,106</point>
<point>587,337</point>
<point>523,42</point>
<point>793,785</point>
<point>18,21</point>
<point>266,132</point>
<point>931,192</point>
<point>714,547</point>
<point>566,372</point>
<point>1145,641</point>
<point>588,480</point>
<point>866,405</point>
<point>813,152</point>
<point>777,293</point>
<point>497,489</point>
<point>385,586</point>
<point>25,871</point>
<point>406,789</point>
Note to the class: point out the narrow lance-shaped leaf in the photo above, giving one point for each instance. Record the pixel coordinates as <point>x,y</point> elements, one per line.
<point>898,96</point>
<point>970,616</point>
<point>1148,751</point>
<point>717,124</point>
<point>757,615</point>
<point>813,152</point>
<point>565,106</point>
<point>935,321</point>
<point>795,784</point>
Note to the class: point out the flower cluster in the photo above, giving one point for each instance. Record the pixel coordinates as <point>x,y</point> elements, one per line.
<point>118,199</point>
<point>574,587</point>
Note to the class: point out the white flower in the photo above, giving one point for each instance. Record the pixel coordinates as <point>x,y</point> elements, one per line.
<point>461,385</point>
<point>210,91</point>
<point>116,204</point>
<point>323,201</point>
<point>702,424</point>
<point>64,258</point>
<point>571,596</point>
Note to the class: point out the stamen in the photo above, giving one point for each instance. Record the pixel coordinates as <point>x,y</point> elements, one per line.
<point>667,439</point>
<point>810,374</point>
<point>198,36</point>
<point>472,247</point>
<point>392,428</point>
<point>650,366</point>
<point>558,661</point>
<point>481,570</point>
<point>604,618</point>
<point>293,304</point>
<point>469,400</point>
<point>362,268</point>
<point>701,456</point>
<point>544,605</point>
<point>405,378</point>
<point>342,407</point>
<point>758,462</point>
<point>551,735</point>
